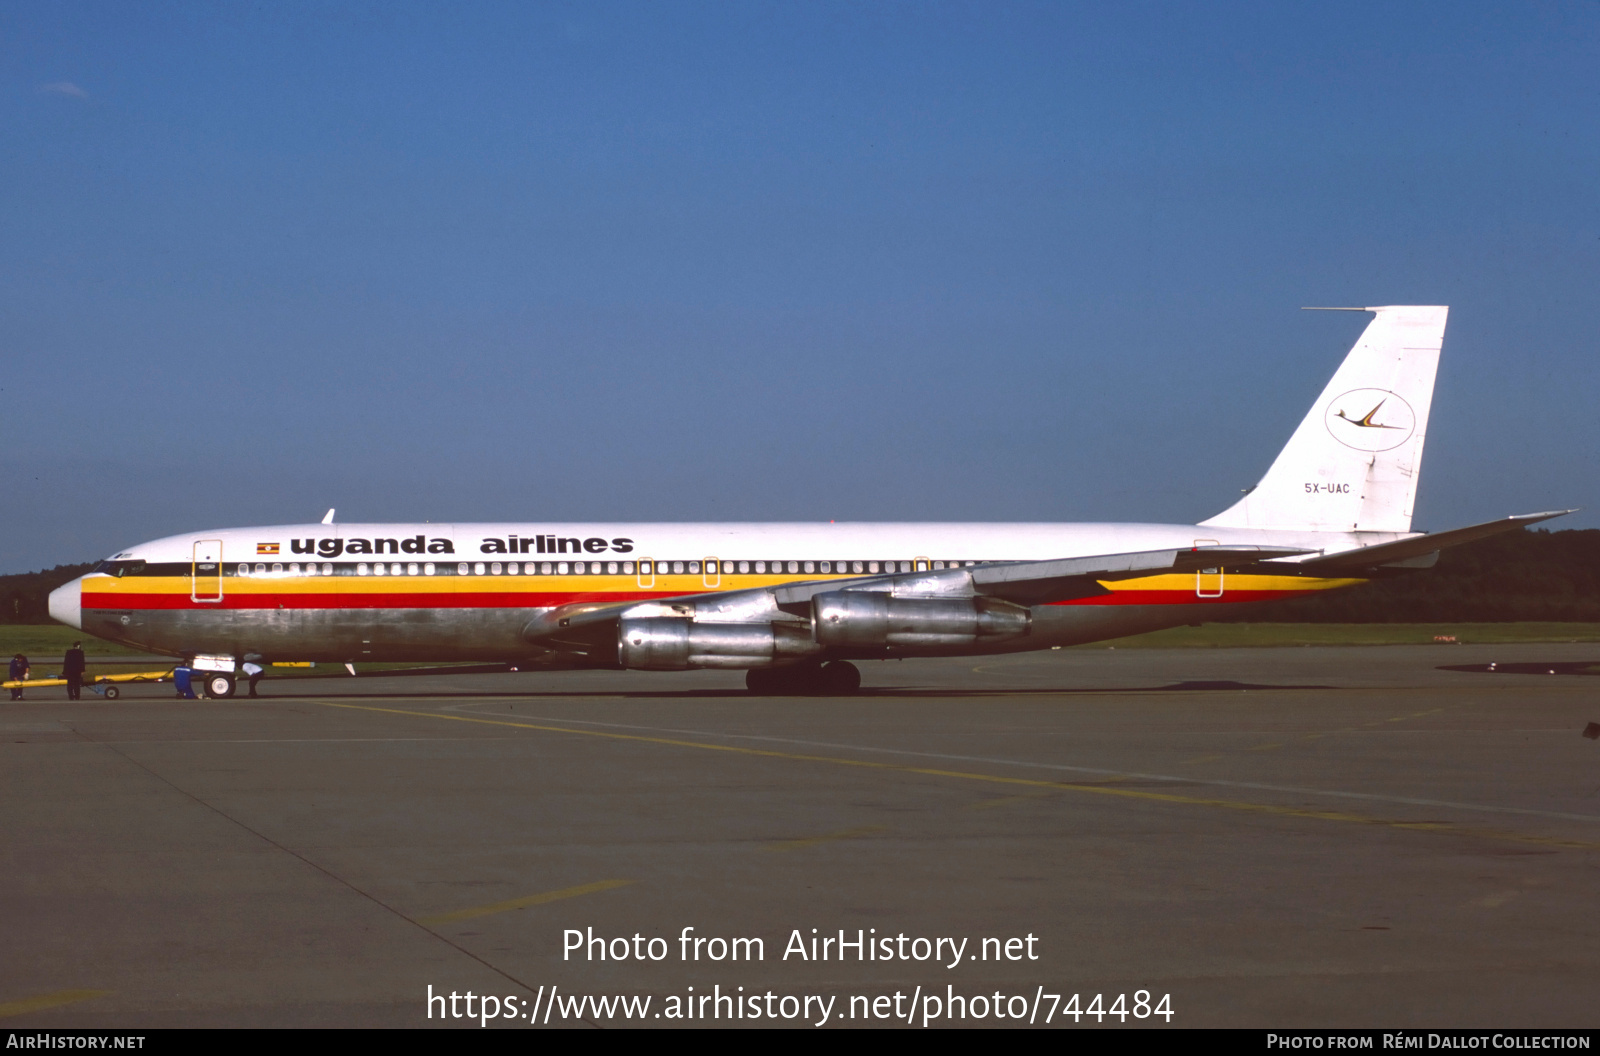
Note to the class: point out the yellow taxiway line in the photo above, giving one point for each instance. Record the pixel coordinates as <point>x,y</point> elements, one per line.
<point>44,1001</point>
<point>523,902</point>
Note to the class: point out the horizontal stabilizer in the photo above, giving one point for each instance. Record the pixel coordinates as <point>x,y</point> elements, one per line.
<point>1402,549</point>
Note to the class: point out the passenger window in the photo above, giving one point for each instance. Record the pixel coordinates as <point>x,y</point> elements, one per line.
<point>824,566</point>
<point>627,568</point>
<point>794,566</point>
<point>427,569</point>
<point>938,565</point>
<point>361,569</point>
<point>561,567</point>
<point>872,566</point>
<point>761,566</point>
<point>261,569</point>
<point>694,567</point>
<point>544,568</point>
<point>411,569</point>
<point>379,568</point>
<point>461,569</point>
<point>579,568</point>
<point>244,570</point>
<point>477,569</point>
<point>327,570</point>
<point>513,568</point>
<point>677,568</point>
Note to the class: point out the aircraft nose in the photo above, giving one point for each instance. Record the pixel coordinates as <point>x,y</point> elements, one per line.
<point>66,603</point>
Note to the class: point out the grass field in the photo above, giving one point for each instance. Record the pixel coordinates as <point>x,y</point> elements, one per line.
<point>44,645</point>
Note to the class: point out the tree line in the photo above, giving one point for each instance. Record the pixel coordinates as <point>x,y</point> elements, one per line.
<point>1531,575</point>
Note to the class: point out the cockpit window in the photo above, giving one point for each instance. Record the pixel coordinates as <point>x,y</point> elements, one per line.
<point>120,568</point>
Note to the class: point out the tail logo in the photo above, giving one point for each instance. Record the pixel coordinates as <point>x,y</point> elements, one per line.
<point>1371,420</point>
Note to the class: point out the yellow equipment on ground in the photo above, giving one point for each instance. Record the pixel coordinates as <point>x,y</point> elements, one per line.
<point>106,685</point>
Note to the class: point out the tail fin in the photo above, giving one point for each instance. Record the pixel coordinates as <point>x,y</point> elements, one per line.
<point>1352,465</point>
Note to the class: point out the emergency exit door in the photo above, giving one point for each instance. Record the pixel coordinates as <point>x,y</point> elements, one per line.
<point>205,571</point>
<point>1208,581</point>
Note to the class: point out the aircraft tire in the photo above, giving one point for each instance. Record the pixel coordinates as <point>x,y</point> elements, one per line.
<point>112,692</point>
<point>840,678</point>
<point>800,680</point>
<point>763,680</point>
<point>795,681</point>
<point>219,686</point>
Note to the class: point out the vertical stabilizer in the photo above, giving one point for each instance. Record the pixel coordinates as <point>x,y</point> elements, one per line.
<point>1352,465</point>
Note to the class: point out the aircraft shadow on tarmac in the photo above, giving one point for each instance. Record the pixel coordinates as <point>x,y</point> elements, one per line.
<point>1554,667</point>
<point>865,691</point>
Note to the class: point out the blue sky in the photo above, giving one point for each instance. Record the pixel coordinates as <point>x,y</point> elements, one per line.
<point>811,261</point>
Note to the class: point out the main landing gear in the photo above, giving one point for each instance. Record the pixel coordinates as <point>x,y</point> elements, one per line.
<point>836,678</point>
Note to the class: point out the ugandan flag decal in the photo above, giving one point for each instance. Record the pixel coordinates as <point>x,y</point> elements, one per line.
<point>266,548</point>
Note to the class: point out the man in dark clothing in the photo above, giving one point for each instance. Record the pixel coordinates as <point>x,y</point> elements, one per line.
<point>18,673</point>
<point>72,666</point>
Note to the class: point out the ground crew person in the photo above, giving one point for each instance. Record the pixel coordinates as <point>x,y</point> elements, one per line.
<point>72,666</point>
<point>19,673</point>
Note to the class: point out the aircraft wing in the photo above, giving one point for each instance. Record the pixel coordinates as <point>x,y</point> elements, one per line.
<point>1039,582</point>
<point>1420,546</point>
<point>588,628</point>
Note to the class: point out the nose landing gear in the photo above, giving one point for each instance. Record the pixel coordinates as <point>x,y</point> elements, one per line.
<point>218,686</point>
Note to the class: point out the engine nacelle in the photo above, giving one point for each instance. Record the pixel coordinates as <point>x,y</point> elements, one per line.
<point>870,619</point>
<point>671,644</point>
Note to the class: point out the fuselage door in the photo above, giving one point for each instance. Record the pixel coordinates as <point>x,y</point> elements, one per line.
<point>1208,581</point>
<point>647,573</point>
<point>711,573</point>
<point>205,571</point>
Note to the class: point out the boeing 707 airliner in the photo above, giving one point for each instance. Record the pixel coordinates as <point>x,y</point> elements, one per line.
<point>797,605</point>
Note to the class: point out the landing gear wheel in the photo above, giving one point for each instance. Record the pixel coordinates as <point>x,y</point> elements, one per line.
<point>797,680</point>
<point>112,692</point>
<point>763,680</point>
<point>840,678</point>
<point>219,686</point>
<point>801,679</point>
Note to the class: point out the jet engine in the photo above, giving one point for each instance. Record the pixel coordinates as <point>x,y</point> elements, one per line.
<point>671,644</point>
<point>860,618</point>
